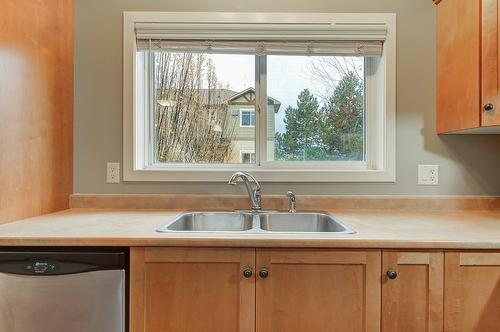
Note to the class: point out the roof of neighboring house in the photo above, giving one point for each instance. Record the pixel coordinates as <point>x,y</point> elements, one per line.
<point>247,91</point>
<point>209,96</point>
<point>222,95</point>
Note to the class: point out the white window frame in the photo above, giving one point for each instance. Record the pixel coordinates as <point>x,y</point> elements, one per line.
<point>380,115</point>
<point>241,117</point>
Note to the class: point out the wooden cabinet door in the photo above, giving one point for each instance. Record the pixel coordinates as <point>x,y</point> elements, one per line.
<point>318,290</point>
<point>472,292</point>
<point>191,290</point>
<point>413,299</point>
<point>490,63</point>
<point>458,96</point>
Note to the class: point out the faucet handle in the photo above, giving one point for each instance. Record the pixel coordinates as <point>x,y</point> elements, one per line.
<point>291,201</point>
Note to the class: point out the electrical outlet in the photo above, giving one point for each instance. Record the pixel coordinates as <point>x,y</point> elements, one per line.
<point>428,174</point>
<point>113,173</point>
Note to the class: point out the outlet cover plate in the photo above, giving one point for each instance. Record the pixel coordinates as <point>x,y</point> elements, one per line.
<point>428,175</point>
<point>113,173</point>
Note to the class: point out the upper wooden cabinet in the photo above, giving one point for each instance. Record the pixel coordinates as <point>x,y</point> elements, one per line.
<point>472,292</point>
<point>412,291</point>
<point>468,96</point>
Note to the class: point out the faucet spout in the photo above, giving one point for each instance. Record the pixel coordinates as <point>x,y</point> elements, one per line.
<point>252,186</point>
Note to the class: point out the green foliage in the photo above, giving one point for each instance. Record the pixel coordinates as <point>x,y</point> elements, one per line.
<point>332,132</point>
<point>342,114</point>
<point>299,142</point>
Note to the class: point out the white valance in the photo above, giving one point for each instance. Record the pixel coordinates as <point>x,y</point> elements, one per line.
<point>258,38</point>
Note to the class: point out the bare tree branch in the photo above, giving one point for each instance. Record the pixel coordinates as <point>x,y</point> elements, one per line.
<point>329,70</point>
<point>192,124</point>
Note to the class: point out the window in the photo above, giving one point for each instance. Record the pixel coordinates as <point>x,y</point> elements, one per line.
<point>247,118</point>
<point>196,111</point>
<point>287,97</point>
<point>247,157</point>
<point>322,115</point>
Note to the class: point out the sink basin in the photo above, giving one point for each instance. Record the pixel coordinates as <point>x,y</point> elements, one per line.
<point>210,222</point>
<point>301,223</point>
<point>256,222</point>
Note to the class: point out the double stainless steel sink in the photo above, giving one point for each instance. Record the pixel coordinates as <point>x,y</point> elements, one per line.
<point>261,222</point>
<point>257,220</point>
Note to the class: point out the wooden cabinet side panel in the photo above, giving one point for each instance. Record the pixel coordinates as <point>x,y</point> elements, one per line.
<point>36,107</point>
<point>458,65</point>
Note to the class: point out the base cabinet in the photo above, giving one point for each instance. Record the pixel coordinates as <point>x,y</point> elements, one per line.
<point>292,290</point>
<point>191,290</point>
<point>318,290</point>
<point>472,292</point>
<point>210,289</point>
<point>412,291</point>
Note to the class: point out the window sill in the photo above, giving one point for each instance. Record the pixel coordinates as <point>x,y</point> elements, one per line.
<point>264,175</point>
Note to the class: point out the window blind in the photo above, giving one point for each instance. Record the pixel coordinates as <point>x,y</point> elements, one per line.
<point>299,39</point>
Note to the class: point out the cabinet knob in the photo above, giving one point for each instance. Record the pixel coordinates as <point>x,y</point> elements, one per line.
<point>247,273</point>
<point>263,273</point>
<point>392,274</point>
<point>489,107</point>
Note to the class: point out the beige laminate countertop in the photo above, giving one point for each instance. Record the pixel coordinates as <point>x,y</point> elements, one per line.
<point>374,229</point>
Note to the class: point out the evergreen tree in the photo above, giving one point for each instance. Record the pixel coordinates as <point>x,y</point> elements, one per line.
<point>301,141</point>
<point>334,132</point>
<point>342,120</point>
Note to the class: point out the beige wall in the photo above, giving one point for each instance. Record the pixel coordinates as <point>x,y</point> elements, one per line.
<point>469,164</point>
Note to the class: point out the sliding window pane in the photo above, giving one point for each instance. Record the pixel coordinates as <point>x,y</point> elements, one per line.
<point>315,108</point>
<point>199,101</point>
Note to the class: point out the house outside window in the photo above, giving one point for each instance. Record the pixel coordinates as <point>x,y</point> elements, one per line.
<point>315,104</point>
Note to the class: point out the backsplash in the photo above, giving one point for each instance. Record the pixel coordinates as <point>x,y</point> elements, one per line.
<point>280,203</point>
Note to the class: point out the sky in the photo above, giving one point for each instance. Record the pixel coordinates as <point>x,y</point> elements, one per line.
<point>287,76</point>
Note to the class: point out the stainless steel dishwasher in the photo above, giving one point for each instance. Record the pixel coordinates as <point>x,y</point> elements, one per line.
<point>56,291</point>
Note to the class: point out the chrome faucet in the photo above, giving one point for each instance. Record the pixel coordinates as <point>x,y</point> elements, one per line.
<point>291,201</point>
<point>254,191</point>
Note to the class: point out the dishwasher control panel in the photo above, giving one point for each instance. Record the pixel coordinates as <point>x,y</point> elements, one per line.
<point>59,262</point>
<point>41,266</point>
<point>44,266</point>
